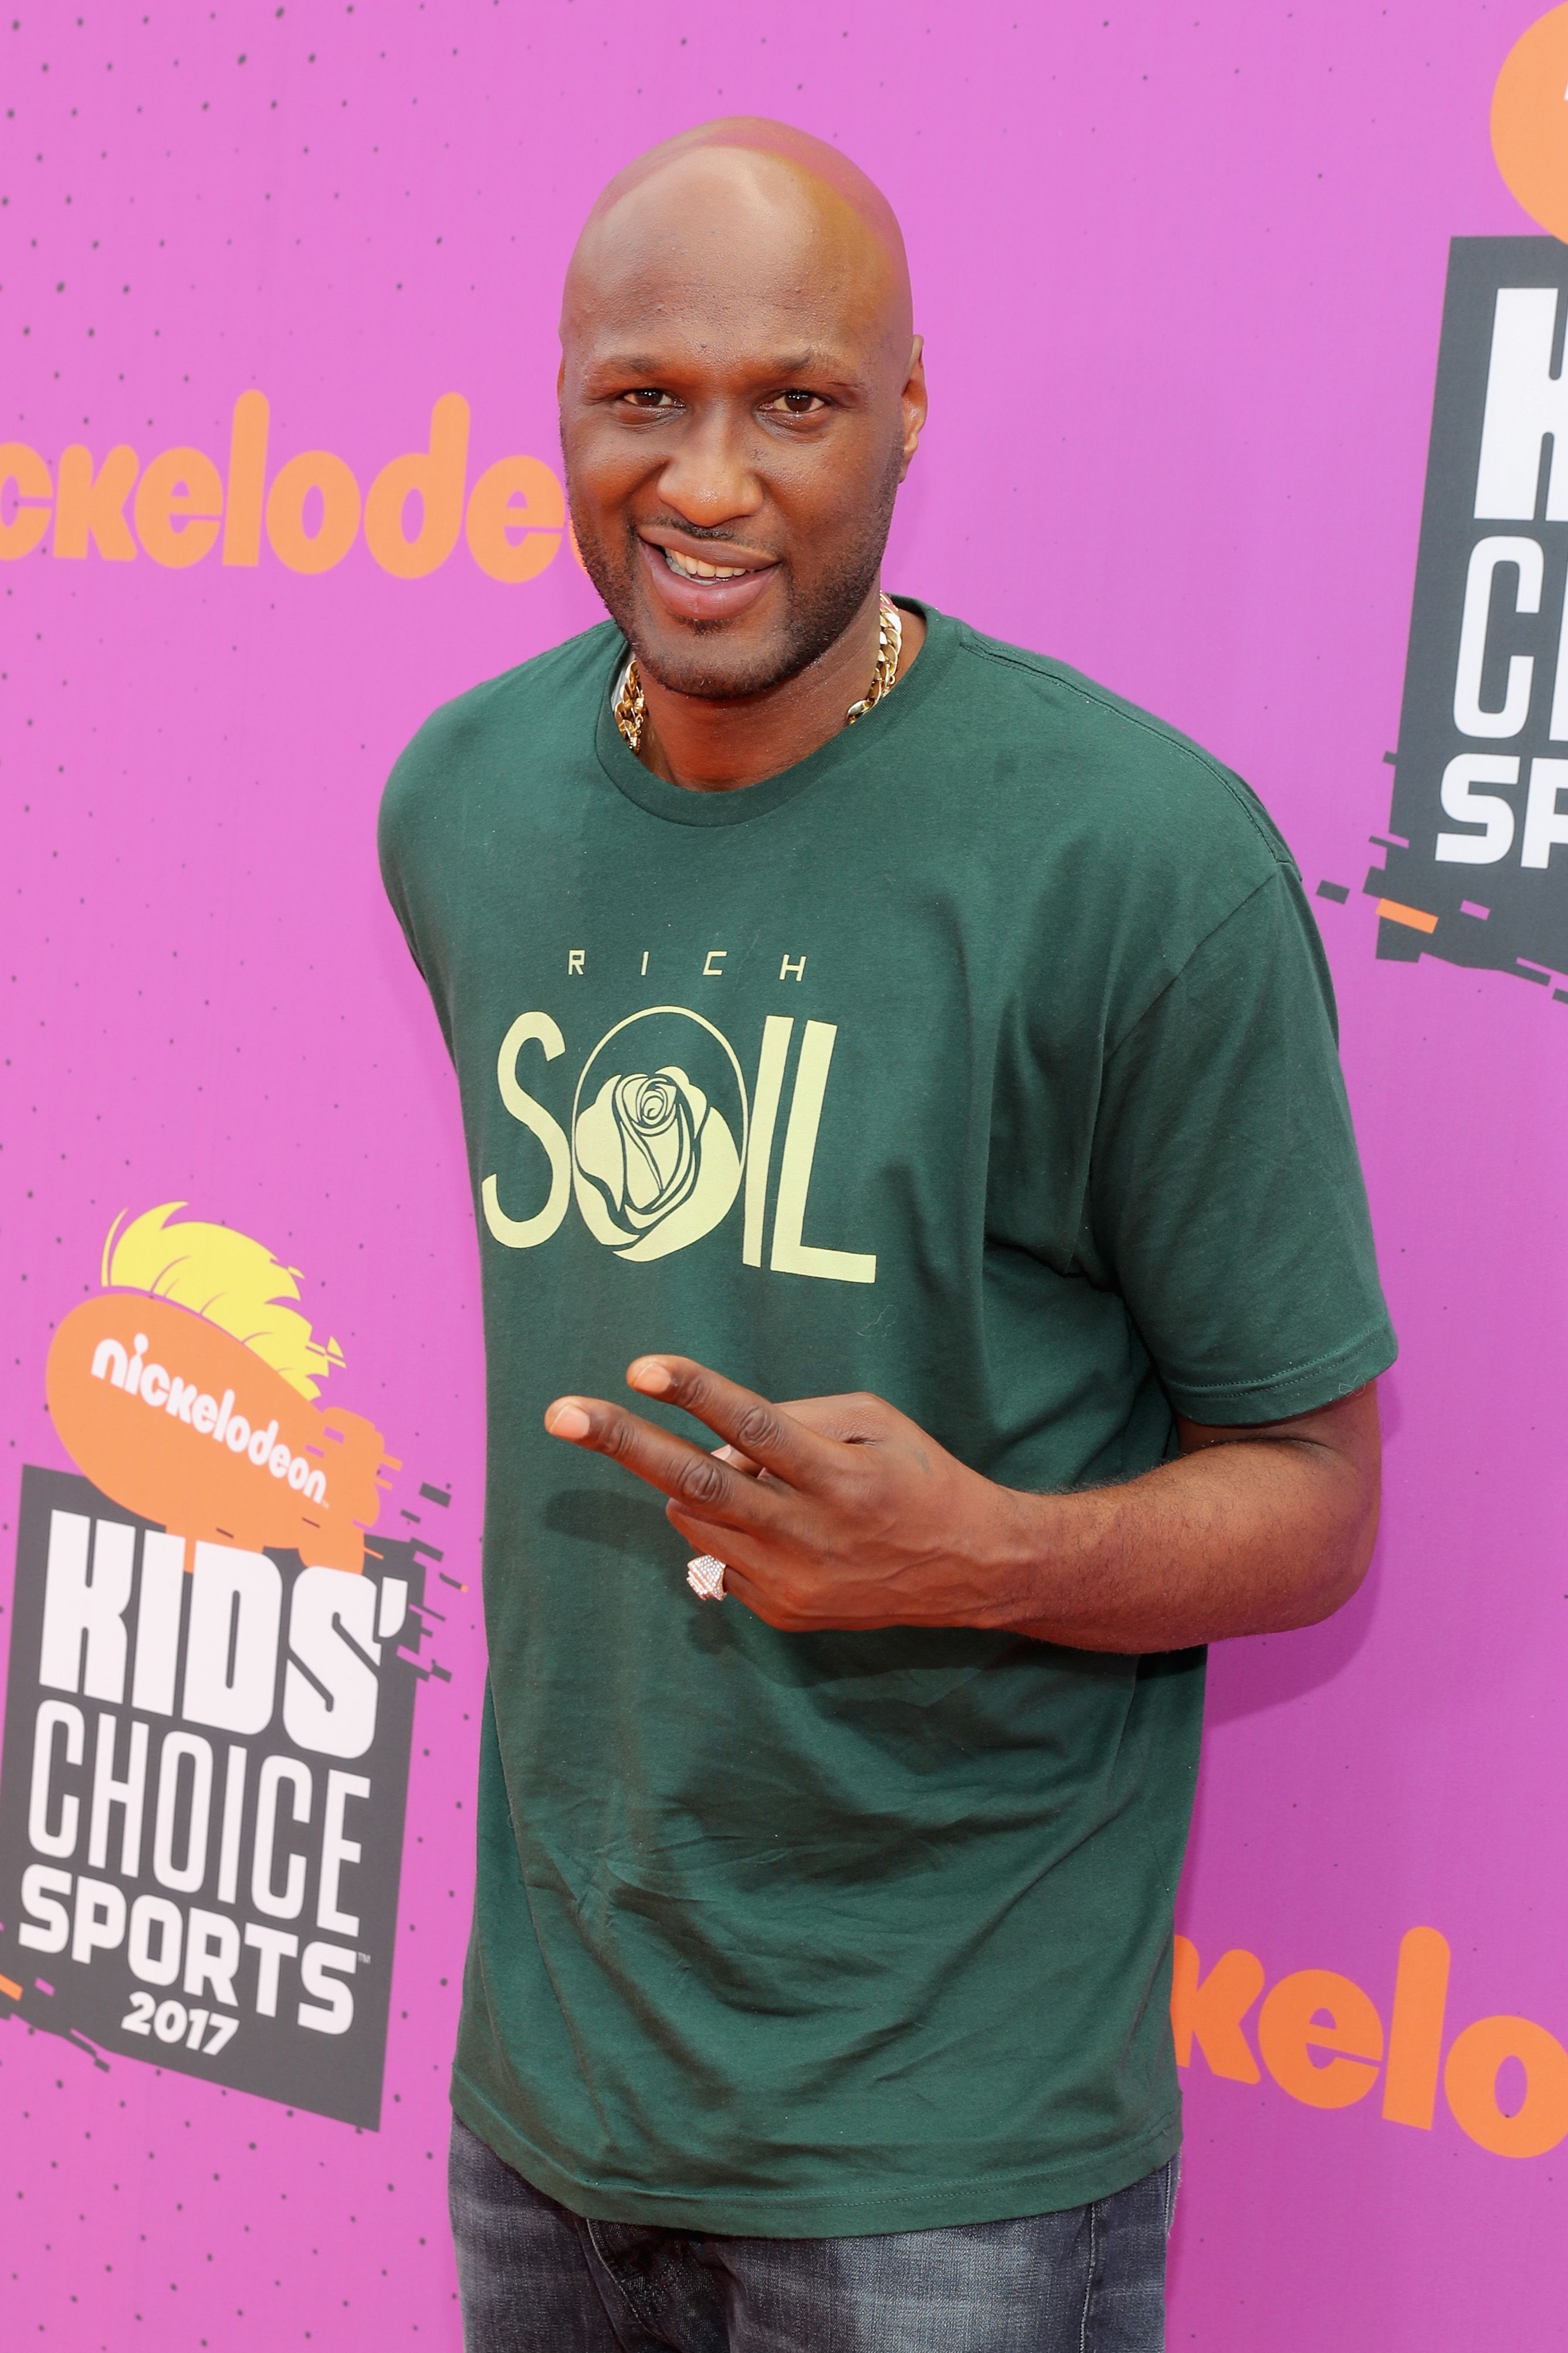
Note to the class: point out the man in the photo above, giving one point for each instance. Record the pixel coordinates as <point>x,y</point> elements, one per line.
<point>889,1021</point>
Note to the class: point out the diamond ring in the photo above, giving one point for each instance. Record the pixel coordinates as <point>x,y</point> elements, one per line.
<point>705,1576</point>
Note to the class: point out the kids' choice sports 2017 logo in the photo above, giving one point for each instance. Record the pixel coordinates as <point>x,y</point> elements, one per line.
<point>1476,851</point>
<point>208,1715</point>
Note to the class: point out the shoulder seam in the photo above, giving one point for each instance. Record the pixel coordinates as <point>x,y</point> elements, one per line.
<point>1041,666</point>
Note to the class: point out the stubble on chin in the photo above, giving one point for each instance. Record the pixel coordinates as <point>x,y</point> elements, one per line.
<point>696,662</point>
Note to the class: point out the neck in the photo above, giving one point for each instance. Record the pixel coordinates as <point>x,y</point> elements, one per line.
<point>718,747</point>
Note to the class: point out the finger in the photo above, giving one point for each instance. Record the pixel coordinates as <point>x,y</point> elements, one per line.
<point>854,1419</point>
<point>770,1437</point>
<point>738,1586</point>
<point>764,1602</point>
<point>756,1568</point>
<point>738,1547</point>
<point>684,1473</point>
<point>746,1578</point>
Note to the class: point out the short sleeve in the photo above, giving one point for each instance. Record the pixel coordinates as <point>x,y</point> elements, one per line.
<point>389,833</point>
<point>402,847</point>
<point>1226,1199</point>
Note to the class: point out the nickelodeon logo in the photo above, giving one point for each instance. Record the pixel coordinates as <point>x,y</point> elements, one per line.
<point>1321,2038</point>
<point>187,1392</point>
<point>310,511</point>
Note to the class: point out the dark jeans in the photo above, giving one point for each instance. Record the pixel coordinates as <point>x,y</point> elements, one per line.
<point>536,2278</point>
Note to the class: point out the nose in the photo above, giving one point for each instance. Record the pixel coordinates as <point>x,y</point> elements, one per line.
<point>709,477</point>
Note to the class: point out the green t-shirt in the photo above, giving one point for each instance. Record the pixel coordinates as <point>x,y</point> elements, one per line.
<point>986,1059</point>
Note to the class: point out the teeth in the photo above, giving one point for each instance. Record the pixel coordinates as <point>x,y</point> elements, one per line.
<point>691,567</point>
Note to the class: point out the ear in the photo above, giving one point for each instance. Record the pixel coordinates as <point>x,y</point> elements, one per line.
<point>912,400</point>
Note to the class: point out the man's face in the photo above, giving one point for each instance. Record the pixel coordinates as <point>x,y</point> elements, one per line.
<point>738,401</point>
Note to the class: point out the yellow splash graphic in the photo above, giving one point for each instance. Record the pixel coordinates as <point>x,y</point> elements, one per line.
<point>235,1282</point>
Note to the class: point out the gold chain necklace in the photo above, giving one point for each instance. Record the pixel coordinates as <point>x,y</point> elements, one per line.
<point>631,704</point>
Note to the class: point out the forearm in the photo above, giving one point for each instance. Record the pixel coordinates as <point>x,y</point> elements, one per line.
<point>1247,1536</point>
<point>840,1511</point>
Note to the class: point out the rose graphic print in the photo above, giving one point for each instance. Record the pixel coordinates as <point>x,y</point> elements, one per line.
<point>639,1139</point>
<point>657,1163</point>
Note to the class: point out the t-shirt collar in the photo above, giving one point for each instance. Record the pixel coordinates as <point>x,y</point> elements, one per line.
<point>872,733</point>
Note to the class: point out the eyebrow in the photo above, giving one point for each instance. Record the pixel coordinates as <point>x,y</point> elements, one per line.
<point>643,367</point>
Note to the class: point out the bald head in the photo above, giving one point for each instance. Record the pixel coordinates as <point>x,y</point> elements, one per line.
<point>738,374</point>
<point>758,135</point>
<point>743,177</point>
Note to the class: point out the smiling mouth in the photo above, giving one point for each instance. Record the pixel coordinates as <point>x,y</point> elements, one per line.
<point>691,567</point>
<point>698,591</point>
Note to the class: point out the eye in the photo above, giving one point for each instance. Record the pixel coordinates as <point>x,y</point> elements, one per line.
<point>797,402</point>
<point>647,398</point>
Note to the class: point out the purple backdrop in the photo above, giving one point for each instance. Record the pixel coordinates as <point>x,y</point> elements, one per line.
<point>1182,280</point>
